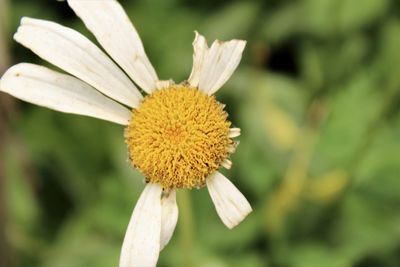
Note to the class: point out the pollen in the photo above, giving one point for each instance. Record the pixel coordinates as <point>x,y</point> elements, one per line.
<point>178,136</point>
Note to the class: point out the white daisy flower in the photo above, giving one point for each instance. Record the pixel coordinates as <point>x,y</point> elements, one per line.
<point>178,135</point>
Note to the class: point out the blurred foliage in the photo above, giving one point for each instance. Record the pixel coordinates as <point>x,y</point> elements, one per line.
<point>317,97</point>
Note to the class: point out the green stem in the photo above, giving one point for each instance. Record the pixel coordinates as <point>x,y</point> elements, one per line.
<point>185,227</point>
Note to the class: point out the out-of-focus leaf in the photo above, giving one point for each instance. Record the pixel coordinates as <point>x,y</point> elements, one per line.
<point>328,18</point>
<point>234,21</point>
<point>360,229</point>
<point>313,255</point>
<point>281,24</point>
<point>351,112</point>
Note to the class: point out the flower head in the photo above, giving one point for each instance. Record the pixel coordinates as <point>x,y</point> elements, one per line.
<point>182,129</point>
<point>178,135</point>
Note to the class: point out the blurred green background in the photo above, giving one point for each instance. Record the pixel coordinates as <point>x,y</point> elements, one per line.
<point>317,96</point>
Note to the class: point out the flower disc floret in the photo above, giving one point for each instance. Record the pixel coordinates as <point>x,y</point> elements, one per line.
<point>178,136</point>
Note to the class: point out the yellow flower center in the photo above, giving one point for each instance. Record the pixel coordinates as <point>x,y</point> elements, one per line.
<point>178,136</point>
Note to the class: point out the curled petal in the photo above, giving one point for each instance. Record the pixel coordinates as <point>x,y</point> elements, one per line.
<point>200,49</point>
<point>213,66</point>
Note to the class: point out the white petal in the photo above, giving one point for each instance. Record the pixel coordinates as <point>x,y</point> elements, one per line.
<point>232,148</point>
<point>169,217</point>
<point>141,245</point>
<point>164,84</point>
<point>234,132</point>
<point>227,164</point>
<point>232,207</point>
<point>217,65</point>
<point>44,87</point>
<point>200,49</point>
<point>74,53</point>
<point>110,24</point>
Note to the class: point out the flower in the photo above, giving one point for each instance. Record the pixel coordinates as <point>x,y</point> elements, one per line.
<point>178,135</point>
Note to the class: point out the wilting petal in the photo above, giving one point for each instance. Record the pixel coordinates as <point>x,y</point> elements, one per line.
<point>200,50</point>
<point>110,24</point>
<point>141,245</point>
<point>232,207</point>
<point>217,65</point>
<point>44,87</point>
<point>169,217</point>
<point>74,53</point>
